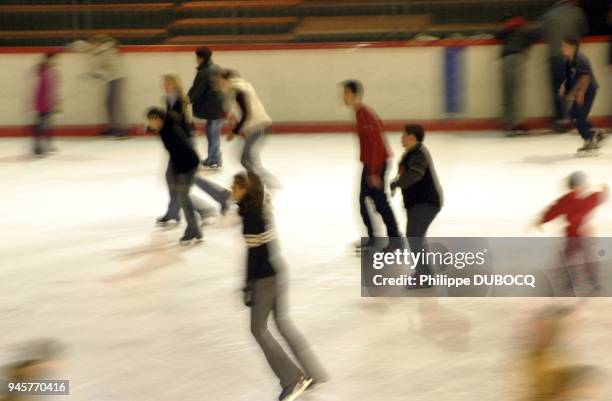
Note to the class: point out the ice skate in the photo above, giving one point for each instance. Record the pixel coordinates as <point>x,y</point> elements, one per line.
<point>589,149</point>
<point>206,165</point>
<point>165,220</point>
<point>291,393</point>
<point>599,137</point>
<point>368,245</point>
<point>191,238</point>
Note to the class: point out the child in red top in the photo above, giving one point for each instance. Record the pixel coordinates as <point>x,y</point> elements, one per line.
<point>575,206</point>
<point>373,154</point>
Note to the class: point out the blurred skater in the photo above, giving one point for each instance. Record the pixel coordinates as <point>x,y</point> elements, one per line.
<point>41,360</point>
<point>421,190</point>
<point>107,65</point>
<point>175,106</point>
<point>516,38</point>
<point>580,88</point>
<point>184,163</point>
<point>207,104</point>
<point>253,124</point>
<point>550,373</point>
<point>564,19</point>
<point>265,293</point>
<point>46,102</point>
<point>373,154</point>
<point>575,207</point>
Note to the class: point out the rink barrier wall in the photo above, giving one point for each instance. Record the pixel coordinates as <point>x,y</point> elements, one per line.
<point>338,127</point>
<point>405,81</point>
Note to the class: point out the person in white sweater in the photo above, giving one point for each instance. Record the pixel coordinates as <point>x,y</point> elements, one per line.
<point>253,122</point>
<point>107,65</point>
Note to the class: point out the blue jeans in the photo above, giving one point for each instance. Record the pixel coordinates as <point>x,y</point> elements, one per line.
<point>217,192</point>
<point>557,76</point>
<point>580,115</point>
<point>213,136</point>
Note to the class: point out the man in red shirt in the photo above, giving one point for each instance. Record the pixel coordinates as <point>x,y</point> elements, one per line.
<point>373,154</point>
<point>575,206</point>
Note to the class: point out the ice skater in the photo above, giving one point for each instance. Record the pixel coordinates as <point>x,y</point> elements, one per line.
<point>564,19</point>
<point>207,104</point>
<point>254,122</point>
<point>552,373</point>
<point>575,206</point>
<point>184,163</point>
<point>175,105</point>
<point>373,154</point>
<point>46,102</point>
<point>516,38</point>
<point>580,88</point>
<point>107,65</point>
<point>265,293</point>
<point>421,190</point>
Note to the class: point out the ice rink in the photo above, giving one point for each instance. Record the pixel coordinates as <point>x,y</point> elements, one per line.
<point>144,319</point>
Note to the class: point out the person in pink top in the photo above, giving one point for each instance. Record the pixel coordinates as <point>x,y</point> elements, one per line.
<point>45,103</point>
<point>576,206</point>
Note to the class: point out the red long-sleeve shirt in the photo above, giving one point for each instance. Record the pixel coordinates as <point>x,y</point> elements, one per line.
<point>372,142</point>
<point>575,210</point>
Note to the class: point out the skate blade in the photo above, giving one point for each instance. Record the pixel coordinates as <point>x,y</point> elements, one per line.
<point>587,154</point>
<point>194,241</point>
<point>299,391</point>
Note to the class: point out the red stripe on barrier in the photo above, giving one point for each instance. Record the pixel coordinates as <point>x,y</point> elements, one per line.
<point>291,46</point>
<point>331,127</point>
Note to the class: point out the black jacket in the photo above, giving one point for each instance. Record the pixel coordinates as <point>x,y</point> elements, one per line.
<point>207,102</point>
<point>259,236</point>
<point>178,109</point>
<point>418,179</point>
<point>183,157</point>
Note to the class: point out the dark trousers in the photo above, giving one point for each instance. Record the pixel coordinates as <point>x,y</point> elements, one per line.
<point>512,79</point>
<point>420,218</point>
<point>557,76</point>
<point>580,115</point>
<point>269,298</point>
<point>181,185</point>
<point>114,107</point>
<point>381,203</point>
<point>41,130</point>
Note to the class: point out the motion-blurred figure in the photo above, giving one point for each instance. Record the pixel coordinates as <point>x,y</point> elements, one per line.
<point>207,104</point>
<point>40,360</point>
<point>580,89</point>
<point>421,190</point>
<point>253,124</point>
<point>564,19</point>
<point>551,376</point>
<point>575,206</point>
<point>265,293</point>
<point>107,65</point>
<point>175,106</point>
<point>516,38</point>
<point>184,163</point>
<point>374,153</point>
<point>46,102</point>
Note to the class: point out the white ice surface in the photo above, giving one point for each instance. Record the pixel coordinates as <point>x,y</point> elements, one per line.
<point>146,320</point>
